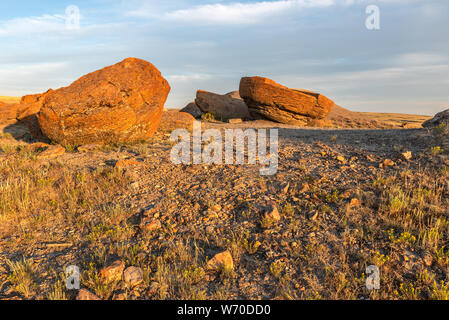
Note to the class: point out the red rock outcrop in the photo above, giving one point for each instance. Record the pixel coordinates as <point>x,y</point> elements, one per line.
<point>119,103</point>
<point>222,106</point>
<point>276,102</point>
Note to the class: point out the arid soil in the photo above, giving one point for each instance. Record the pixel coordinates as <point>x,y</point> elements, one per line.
<point>340,211</point>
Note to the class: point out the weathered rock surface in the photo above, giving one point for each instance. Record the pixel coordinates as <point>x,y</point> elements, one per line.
<point>222,106</point>
<point>120,103</point>
<point>221,261</point>
<point>133,276</point>
<point>114,271</point>
<point>192,109</point>
<point>174,119</point>
<point>86,295</point>
<point>440,119</point>
<point>8,112</point>
<point>52,152</point>
<point>29,107</point>
<point>276,102</point>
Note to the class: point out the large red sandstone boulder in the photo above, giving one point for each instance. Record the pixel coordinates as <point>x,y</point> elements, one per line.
<point>222,106</point>
<point>120,103</point>
<point>276,102</point>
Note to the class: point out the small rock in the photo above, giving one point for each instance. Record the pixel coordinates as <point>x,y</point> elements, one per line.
<point>427,259</point>
<point>114,271</point>
<point>388,163</point>
<point>125,163</point>
<point>216,208</point>
<point>341,159</point>
<point>235,121</point>
<point>133,276</point>
<point>88,148</point>
<point>52,152</point>
<point>151,225</point>
<point>221,261</point>
<point>85,295</point>
<point>38,145</point>
<point>134,185</point>
<point>354,203</point>
<point>406,155</point>
<point>272,213</point>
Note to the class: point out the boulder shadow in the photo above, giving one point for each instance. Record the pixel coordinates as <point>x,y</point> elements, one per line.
<point>21,133</point>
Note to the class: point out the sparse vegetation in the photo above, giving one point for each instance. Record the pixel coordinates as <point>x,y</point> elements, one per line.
<point>84,211</point>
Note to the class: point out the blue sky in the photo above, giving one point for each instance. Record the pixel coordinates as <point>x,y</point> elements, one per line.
<point>322,45</point>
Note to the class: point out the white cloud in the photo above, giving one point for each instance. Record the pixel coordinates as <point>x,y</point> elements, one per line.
<point>32,25</point>
<point>241,13</point>
<point>421,59</point>
<point>188,77</point>
<point>23,79</point>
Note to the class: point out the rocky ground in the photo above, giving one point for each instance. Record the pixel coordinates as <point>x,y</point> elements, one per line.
<point>140,227</point>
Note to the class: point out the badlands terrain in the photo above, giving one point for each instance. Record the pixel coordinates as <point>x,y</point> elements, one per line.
<point>365,189</point>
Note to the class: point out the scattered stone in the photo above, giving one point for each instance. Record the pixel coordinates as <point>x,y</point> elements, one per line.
<point>126,163</point>
<point>221,261</point>
<point>88,148</point>
<point>216,208</point>
<point>235,121</point>
<point>114,271</point>
<point>354,203</point>
<point>37,146</point>
<point>427,259</point>
<point>407,156</point>
<point>150,225</point>
<point>135,185</point>
<point>222,106</point>
<point>133,276</point>
<point>272,213</point>
<point>341,159</point>
<point>85,295</point>
<point>273,101</point>
<point>387,163</point>
<point>52,152</point>
<point>106,106</point>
